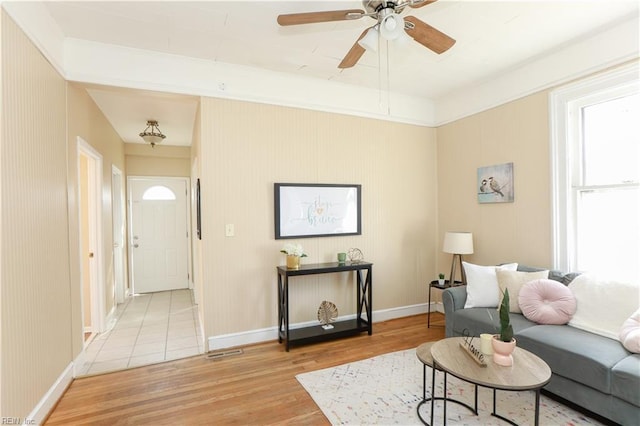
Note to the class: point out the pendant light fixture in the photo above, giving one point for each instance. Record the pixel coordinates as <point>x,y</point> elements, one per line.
<point>152,134</point>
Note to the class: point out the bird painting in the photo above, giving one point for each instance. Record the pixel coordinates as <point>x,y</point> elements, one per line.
<point>495,186</point>
<point>484,187</point>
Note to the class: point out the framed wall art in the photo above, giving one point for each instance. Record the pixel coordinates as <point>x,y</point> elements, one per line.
<point>317,210</point>
<point>495,184</point>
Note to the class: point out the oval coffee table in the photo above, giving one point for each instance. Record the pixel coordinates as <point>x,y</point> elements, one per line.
<point>529,372</point>
<point>423,352</point>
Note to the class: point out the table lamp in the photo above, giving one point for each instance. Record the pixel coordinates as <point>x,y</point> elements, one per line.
<point>457,243</point>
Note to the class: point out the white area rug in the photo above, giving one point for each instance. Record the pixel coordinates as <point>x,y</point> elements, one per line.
<point>387,389</point>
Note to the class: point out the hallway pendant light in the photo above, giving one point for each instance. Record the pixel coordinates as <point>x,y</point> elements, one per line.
<point>152,134</point>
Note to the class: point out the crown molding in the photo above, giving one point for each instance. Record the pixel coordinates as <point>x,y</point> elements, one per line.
<point>614,46</point>
<point>105,64</point>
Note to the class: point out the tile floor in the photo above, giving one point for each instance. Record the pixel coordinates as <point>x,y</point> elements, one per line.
<point>149,328</point>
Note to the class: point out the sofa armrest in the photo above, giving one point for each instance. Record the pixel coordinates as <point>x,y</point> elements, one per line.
<point>453,299</point>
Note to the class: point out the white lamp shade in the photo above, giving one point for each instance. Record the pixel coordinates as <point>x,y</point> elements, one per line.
<point>392,27</point>
<point>458,243</point>
<point>370,40</point>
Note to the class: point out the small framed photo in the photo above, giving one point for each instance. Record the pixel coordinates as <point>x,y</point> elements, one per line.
<point>495,184</point>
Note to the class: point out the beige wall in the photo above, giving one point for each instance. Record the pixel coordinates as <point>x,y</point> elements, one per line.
<point>246,147</point>
<point>142,160</point>
<point>35,284</point>
<point>516,132</point>
<point>85,120</point>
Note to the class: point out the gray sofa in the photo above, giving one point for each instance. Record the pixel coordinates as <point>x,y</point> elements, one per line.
<point>591,371</point>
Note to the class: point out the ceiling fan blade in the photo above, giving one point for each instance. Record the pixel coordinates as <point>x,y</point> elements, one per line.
<point>314,17</point>
<point>354,54</point>
<point>428,36</point>
<point>422,3</point>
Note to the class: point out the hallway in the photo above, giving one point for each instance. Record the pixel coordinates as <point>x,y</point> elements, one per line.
<point>149,328</point>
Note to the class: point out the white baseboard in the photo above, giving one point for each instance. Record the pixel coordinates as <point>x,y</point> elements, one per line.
<point>51,398</point>
<point>271,333</point>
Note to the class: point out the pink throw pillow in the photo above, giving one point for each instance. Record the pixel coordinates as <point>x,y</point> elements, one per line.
<point>630,333</point>
<point>547,302</point>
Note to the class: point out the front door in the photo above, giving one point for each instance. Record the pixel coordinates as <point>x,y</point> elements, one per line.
<point>158,239</point>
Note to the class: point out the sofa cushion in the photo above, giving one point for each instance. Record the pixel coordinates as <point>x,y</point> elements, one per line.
<point>547,302</point>
<point>593,313</point>
<point>630,333</point>
<point>576,354</point>
<point>625,379</point>
<point>482,285</point>
<point>513,281</point>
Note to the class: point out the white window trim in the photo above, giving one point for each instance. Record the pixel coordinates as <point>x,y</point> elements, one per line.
<point>563,103</point>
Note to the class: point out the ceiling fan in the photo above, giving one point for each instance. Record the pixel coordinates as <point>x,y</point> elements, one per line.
<point>389,24</point>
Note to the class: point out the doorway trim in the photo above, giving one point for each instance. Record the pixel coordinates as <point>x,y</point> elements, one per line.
<point>96,272</point>
<point>118,230</point>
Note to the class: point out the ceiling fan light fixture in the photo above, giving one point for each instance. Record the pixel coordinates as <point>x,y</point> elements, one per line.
<point>152,134</point>
<point>403,39</point>
<point>370,40</point>
<point>392,26</point>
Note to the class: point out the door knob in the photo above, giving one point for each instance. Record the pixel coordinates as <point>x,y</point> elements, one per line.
<point>135,246</point>
<point>90,254</point>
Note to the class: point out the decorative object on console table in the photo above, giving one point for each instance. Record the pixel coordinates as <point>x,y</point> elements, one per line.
<point>441,278</point>
<point>504,344</point>
<point>294,252</point>
<point>355,255</point>
<point>457,243</point>
<point>342,257</point>
<point>327,313</point>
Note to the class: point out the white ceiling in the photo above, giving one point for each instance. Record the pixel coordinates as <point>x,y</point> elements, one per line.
<point>493,37</point>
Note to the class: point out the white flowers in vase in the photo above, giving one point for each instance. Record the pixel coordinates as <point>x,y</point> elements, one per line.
<point>293,250</point>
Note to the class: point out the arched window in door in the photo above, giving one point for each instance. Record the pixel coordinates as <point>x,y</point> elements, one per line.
<point>158,193</point>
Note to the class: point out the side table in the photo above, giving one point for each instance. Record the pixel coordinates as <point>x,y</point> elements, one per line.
<point>435,284</point>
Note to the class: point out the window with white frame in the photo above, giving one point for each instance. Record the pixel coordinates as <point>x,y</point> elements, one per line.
<point>595,126</point>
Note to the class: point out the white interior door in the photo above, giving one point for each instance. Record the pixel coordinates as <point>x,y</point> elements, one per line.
<point>159,235</point>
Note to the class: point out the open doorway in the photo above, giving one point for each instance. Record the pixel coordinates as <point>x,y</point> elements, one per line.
<point>91,256</point>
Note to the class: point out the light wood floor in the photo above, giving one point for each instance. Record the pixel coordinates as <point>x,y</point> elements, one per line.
<point>257,387</point>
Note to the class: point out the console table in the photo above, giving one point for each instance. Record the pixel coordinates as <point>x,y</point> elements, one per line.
<point>341,328</point>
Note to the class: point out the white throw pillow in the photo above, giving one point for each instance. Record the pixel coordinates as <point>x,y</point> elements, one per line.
<point>482,284</point>
<point>630,333</point>
<point>603,306</point>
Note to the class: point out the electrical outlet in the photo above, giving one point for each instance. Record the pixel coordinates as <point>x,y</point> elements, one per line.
<point>229,230</point>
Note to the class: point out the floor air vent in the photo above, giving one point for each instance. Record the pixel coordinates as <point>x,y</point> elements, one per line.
<point>224,354</point>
